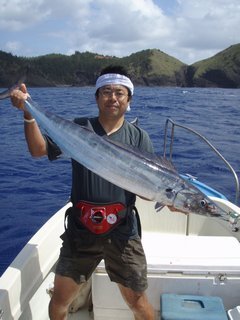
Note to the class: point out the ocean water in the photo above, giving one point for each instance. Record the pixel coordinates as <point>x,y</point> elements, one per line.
<point>32,190</point>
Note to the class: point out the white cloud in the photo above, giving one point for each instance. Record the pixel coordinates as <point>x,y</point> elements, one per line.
<point>13,46</point>
<point>206,27</point>
<point>190,30</point>
<point>120,27</point>
<point>16,15</point>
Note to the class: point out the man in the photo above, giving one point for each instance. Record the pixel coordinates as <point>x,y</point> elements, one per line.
<point>93,231</point>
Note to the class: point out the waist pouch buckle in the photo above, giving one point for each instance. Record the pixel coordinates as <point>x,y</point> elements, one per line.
<point>100,219</point>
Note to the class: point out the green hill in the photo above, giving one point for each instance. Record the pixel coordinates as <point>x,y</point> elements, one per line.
<point>221,70</point>
<point>155,68</point>
<point>11,68</point>
<point>150,67</point>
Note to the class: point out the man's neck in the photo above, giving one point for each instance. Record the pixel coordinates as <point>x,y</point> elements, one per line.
<point>111,126</point>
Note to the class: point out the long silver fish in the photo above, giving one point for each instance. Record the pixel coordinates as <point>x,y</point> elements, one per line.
<point>143,174</point>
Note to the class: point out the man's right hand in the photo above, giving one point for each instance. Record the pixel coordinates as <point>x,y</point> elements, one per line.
<point>18,97</point>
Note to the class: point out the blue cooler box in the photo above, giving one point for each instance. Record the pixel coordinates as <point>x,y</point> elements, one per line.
<point>190,307</point>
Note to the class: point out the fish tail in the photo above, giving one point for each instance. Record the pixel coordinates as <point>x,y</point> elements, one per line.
<point>6,93</point>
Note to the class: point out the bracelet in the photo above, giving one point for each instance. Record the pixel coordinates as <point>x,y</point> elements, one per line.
<point>29,120</point>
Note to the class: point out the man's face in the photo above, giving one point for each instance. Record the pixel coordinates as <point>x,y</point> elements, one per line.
<point>113,100</point>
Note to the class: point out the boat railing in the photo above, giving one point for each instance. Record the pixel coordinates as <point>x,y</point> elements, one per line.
<point>170,154</point>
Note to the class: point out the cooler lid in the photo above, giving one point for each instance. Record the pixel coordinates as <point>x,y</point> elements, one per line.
<point>191,254</point>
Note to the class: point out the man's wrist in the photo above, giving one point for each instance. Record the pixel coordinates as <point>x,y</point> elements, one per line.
<point>29,120</point>
<point>27,116</point>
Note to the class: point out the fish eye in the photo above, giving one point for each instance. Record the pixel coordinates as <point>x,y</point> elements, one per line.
<point>203,203</point>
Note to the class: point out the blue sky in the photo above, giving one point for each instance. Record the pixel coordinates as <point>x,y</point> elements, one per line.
<point>190,30</point>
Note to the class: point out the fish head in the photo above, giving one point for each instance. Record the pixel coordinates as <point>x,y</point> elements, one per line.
<point>189,199</point>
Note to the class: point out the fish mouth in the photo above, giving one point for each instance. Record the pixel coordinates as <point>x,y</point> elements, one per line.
<point>214,211</point>
<point>210,208</point>
<point>200,204</point>
<point>232,216</point>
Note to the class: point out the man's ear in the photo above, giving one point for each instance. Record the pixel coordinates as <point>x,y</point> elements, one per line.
<point>129,99</point>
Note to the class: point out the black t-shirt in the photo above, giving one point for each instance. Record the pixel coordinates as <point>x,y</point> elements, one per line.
<point>88,186</point>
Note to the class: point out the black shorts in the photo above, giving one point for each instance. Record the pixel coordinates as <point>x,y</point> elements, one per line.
<point>125,260</point>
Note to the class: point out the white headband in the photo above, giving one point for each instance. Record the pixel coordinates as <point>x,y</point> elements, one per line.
<point>114,78</point>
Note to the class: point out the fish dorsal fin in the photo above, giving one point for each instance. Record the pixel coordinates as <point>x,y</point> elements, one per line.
<point>89,126</point>
<point>161,162</point>
<point>164,162</point>
<point>135,121</point>
<point>151,157</point>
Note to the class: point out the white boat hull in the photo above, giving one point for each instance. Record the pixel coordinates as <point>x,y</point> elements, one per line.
<point>186,254</point>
